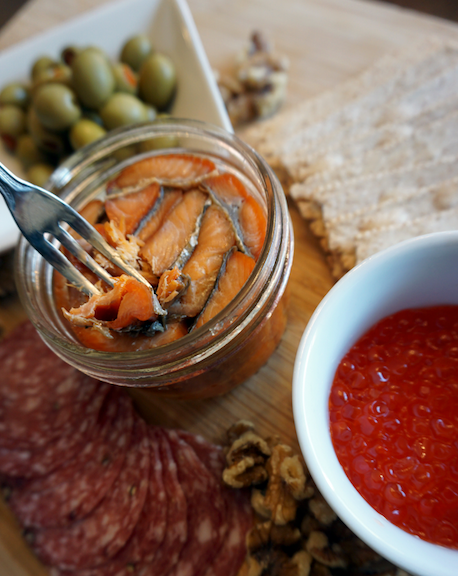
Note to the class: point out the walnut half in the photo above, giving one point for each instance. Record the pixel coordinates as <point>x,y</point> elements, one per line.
<point>287,485</point>
<point>246,461</point>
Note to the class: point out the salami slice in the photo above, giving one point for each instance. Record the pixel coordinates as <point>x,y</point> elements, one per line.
<point>39,462</point>
<point>40,395</point>
<point>205,510</point>
<point>232,553</point>
<point>177,517</point>
<point>150,530</point>
<point>74,489</point>
<point>238,511</point>
<point>98,537</point>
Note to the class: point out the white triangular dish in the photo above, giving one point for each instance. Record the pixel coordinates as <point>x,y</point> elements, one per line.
<point>170,26</point>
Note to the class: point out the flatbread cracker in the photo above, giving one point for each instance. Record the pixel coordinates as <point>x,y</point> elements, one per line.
<point>342,234</point>
<point>427,143</point>
<point>371,130</point>
<point>376,84</point>
<point>372,242</point>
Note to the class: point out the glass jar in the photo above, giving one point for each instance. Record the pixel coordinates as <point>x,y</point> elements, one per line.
<point>230,347</point>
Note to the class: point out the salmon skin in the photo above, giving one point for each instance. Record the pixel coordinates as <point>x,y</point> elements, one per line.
<point>192,230</point>
<point>168,243</point>
<point>128,210</point>
<point>154,220</point>
<point>234,273</point>
<point>246,214</point>
<point>215,239</point>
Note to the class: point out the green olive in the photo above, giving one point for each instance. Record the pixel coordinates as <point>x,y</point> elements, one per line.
<point>94,116</point>
<point>28,152</point>
<point>39,174</point>
<point>56,106</point>
<point>151,112</point>
<point>123,109</point>
<point>43,138</point>
<point>16,94</point>
<point>55,73</point>
<point>126,80</point>
<point>68,54</point>
<point>84,132</point>
<point>157,143</point>
<point>13,121</point>
<point>41,64</point>
<point>135,51</point>
<point>93,79</point>
<point>124,153</point>
<point>157,81</point>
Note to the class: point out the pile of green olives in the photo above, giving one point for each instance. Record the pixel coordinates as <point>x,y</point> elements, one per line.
<point>73,101</point>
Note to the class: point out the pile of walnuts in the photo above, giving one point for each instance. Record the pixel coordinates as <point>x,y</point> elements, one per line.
<point>256,87</point>
<point>295,532</point>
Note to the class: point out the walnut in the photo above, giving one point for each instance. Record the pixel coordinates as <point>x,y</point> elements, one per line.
<point>286,486</point>
<point>258,505</point>
<point>267,534</point>
<point>274,562</point>
<point>246,461</point>
<point>322,511</point>
<point>303,561</point>
<point>318,546</point>
<point>309,524</point>
<point>257,86</point>
<point>237,429</point>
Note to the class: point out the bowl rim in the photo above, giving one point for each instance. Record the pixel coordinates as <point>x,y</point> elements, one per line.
<point>403,549</point>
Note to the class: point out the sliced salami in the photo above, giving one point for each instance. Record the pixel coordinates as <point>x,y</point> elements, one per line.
<point>205,510</point>
<point>232,553</point>
<point>239,516</point>
<point>39,462</point>
<point>98,537</point>
<point>150,530</point>
<point>74,489</point>
<point>40,395</point>
<point>177,515</point>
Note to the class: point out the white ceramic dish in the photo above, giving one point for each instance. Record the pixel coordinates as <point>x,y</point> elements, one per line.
<point>419,272</point>
<point>168,23</point>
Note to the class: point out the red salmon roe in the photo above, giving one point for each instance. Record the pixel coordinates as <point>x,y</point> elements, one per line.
<point>394,420</point>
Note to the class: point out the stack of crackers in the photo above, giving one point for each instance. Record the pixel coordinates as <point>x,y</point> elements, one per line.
<point>374,161</point>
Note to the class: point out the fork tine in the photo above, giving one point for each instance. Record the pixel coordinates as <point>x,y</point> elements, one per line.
<point>95,239</point>
<point>76,249</point>
<point>61,263</point>
<point>91,235</point>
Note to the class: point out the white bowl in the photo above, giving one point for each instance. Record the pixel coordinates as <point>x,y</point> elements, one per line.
<point>419,272</point>
<point>170,26</point>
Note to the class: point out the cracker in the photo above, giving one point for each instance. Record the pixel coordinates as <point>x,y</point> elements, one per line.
<point>353,194</point>
<point>342,234</point>
<point>428,143</point>
<point>379,82</point>
<point>371,242</point>
<point>371,130</point>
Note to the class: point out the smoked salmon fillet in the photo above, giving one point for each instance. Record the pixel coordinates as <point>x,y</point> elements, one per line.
<point>170,240</point>
<point>181,170</point>
<point>215,239</point>
<point>249,218</point>
<point>236,271</point>
<point>129,210</point>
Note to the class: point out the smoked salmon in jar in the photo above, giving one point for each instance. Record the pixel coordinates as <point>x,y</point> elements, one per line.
<point>205,221</point>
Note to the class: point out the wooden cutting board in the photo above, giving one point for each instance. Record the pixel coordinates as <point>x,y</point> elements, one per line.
<point>326,41</point>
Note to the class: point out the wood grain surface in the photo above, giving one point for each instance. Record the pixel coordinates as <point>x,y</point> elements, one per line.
<point>326,41</point>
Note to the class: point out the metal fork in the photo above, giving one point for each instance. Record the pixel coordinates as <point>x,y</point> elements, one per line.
<point>39,213</point>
